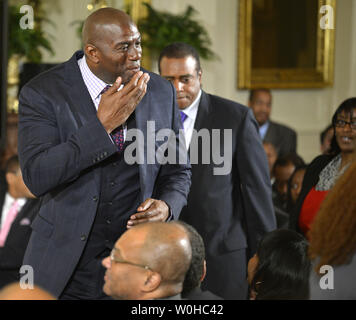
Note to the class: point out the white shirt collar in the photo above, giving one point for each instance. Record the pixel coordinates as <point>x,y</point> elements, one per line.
<point>192,110</point>
<point>92,82</point>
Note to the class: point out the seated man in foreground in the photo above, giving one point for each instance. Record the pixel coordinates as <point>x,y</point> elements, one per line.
<point>149,261</point>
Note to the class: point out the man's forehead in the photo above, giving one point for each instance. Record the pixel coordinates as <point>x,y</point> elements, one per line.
<point>117,29</point>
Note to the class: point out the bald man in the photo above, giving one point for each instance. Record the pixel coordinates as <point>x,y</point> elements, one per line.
<point>148,262</point>
<point>76,152</point>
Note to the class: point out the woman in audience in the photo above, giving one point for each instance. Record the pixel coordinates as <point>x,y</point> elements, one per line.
<point>333,242</point>
<point>280,268</point>
<point>295,186</point>
<point>323,171</point>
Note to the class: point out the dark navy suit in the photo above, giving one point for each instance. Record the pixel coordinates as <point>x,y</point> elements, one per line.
<point>66,156</point>
<point>231,212</point>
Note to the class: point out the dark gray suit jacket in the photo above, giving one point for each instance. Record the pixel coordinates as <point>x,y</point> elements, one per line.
<point>231,212</point>
<point>61,146</point>
<point>282,137</point>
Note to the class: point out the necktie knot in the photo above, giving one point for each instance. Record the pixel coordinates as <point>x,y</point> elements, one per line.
<point>183,116</point>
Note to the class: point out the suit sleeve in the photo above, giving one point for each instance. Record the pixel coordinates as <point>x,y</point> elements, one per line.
<point>174,179</point>
<point>255,184</point>
<point>47,161</point>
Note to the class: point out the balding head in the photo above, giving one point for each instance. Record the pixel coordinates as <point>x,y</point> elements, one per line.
<point>15,292</point>
<point>166,249</point>
<point>112,45</point>
<point>151,262</point>
<point>99,23</point>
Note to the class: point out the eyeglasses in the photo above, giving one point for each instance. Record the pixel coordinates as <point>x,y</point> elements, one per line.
<point>342,123</point>
<point>117,260</point>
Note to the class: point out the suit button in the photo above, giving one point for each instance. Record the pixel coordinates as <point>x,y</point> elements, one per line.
<point>105,154</point>
<point>110,203</point>
<point>83,237</point>
<point>112,184</point>
<point>108,221</point>
<point>95,198</point>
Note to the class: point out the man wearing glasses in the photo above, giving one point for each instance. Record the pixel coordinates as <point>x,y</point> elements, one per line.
<point>148,262</point>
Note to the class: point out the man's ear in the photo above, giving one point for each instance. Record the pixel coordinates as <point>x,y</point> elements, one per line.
<point>91,53</point>
<point>10,177</point>
<point>152,282</point>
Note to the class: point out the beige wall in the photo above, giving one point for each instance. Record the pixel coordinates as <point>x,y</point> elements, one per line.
<point>307,111</point>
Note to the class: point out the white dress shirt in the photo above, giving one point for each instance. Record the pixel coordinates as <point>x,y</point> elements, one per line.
<point>189,122</point>
<point>95,86</point>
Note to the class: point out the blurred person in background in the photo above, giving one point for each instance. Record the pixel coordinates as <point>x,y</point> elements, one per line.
<point>280,268</point>
<point>282,171</point>
<point>272,155</point>
<point>295,186</point>
<point>333,241</point>
<point>323,171</point>
<point>282,137</point>
<point>325,139</point>
<point>18,209</point>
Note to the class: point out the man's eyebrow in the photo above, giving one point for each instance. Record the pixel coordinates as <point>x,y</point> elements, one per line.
<point>127,41</point>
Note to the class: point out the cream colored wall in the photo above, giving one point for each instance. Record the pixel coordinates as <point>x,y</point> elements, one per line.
<point>307,111</point>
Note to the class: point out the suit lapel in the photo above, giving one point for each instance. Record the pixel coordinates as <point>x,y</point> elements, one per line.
<point>79,99</point>
<point>142,115</point>
<point>203,119</point>
<point>270,134</point>
<point>78,95</point>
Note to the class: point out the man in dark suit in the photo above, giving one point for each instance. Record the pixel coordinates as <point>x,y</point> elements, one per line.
<point>231,209</point>
<point>283,138</point>
<point>75,151</point>
<point>15,228</point>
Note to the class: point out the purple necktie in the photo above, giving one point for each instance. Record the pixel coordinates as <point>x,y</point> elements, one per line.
<point>116,135</point>
<point>183,116</point>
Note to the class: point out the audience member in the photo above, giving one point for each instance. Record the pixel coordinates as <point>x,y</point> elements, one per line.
<point>19,208</point>
<point>333,241</point>
<point>197,269</point>
<point>14,291</point>
<point>149,261</point>
<point>282,137</point>
<point>272,156</point>
<point>325,139</point>
<point>280,269</point>
<point>324,170</point>
<point>231,210</point>
<point>282,171</point>
<point>295,186</point>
